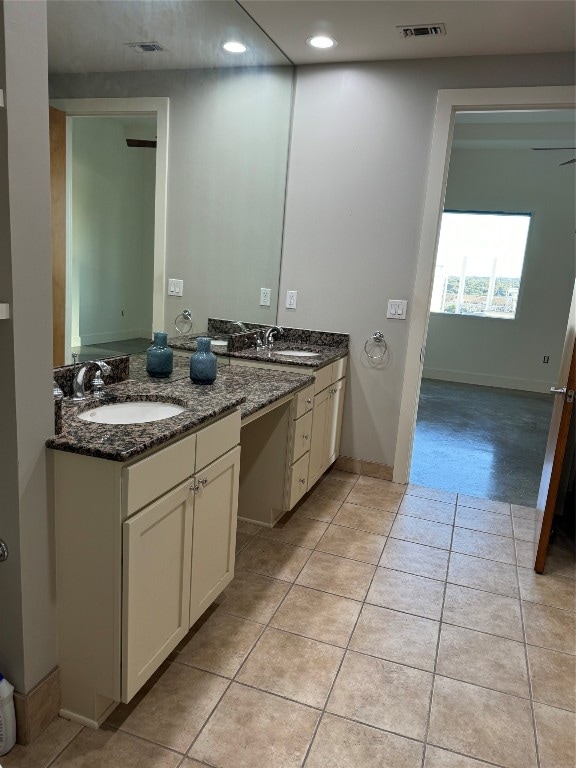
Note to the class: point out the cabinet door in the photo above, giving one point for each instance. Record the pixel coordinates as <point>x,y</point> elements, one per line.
<point>156,585</point>
<point>214,532</point>
<point>334,426</point>
<point>318,441</point>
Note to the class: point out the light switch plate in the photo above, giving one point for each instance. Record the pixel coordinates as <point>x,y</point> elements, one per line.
<point>265,297</point>
<point>175,287</point>
<point>397,309</point>
<point>291,299</point>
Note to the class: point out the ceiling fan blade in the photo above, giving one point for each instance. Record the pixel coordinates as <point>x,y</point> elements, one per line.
<point>568,162</point>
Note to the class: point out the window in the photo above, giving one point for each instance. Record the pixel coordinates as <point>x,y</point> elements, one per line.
<point>479,263</point>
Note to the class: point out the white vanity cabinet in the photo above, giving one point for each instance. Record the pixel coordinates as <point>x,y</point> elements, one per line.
<point>299,440</point>
<point>314,443</point>
<point>327,420</point>
<point>142,549</point>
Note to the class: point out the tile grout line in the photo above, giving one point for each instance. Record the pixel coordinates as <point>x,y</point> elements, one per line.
<point>365,653</point>
<point>64,748</point>
<point>528,674</point>
<point>430,700</point>
<point>346,650</point>
<point>234,677</point>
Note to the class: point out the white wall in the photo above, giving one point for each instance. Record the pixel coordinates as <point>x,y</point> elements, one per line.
<point>357,174</point>
<point>509,353</point>
<point>113,189</point>
<point>228,146</point>
<point>27,608</point>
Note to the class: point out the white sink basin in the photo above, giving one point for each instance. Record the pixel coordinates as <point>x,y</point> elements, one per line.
<point>219,344</point>
<point>130,413</point>
<point>294,353</point>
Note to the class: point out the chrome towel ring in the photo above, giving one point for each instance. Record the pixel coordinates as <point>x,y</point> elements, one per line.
<point>376,338</point>
<point>184,318</point>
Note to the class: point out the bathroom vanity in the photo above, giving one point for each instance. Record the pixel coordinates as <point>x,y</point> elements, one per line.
<point>309,434</point>
<point>143,547</point>
<point>145,514</point>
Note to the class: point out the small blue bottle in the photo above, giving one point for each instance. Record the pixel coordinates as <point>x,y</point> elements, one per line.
<point>203,362</point>
<point>159,357</point>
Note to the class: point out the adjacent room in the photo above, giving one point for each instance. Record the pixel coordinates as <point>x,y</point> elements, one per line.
<point>494,341</point>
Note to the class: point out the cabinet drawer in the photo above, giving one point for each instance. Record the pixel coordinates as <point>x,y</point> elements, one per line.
<point>215,440</point>
<point>302,434</point>
<point>150,478</point>
<point>323,378</point>
<point>339,368</point>
<point>298,481</point>
<point>304,401</point>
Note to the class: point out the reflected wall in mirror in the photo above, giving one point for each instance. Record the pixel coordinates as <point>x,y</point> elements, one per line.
<point>227,150</point>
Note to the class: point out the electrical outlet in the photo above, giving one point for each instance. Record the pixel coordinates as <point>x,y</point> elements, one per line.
<point>175,287</point>
<point>291,299</point>
<point>546,359</point>
<point>265,297</point>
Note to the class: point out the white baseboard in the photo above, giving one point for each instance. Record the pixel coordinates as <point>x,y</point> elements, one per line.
<point>107,336</point>
<point>486,380</point>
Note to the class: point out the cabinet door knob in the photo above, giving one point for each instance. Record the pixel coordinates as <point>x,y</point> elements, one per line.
<point>305,437</point>
<point>194,488</point>
<point>309,400</point>
<point>204,481</point>
<point>302,481</point>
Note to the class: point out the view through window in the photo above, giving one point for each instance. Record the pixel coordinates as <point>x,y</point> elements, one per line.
<point>479,263</point>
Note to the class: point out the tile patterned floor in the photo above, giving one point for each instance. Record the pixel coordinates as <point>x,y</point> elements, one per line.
<point>375,627</point>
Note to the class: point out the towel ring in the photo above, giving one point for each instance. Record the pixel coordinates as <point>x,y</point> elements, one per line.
<point>376,338</point>
<point>186,316</point>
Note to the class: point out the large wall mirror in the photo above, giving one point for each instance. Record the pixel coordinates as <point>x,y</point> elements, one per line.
<point>172,154</point>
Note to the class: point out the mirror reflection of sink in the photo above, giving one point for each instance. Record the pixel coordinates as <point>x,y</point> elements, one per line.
<point>130,413</point>
<point>294,353</point>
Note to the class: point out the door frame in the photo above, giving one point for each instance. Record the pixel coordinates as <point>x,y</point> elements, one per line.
<point>121,107</point>
<point>448,103</point>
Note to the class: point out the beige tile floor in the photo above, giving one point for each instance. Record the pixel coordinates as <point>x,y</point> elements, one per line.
<point>376,627</point>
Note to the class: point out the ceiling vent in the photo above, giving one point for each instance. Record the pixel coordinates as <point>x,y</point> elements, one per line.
<point>422,30</point>
<point>146,47</point>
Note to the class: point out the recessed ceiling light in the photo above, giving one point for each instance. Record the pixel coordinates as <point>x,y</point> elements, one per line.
<point>321,41</point>
<point>232,46</point>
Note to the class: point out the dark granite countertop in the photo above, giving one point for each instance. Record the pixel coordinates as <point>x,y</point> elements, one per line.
<point>187,342</point>
<point>327,346</point>
<point>249,388</point>
<point>324,355</point>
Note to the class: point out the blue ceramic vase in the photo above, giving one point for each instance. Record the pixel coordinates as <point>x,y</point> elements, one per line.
<point>159,357</point>
<point>203,362</point>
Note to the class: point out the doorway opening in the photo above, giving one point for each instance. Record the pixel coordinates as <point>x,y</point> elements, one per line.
<point>109,256</point>
<point>112,180</point>
<point>501,293</point>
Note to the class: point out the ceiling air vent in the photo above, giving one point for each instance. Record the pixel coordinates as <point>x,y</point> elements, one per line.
<point>146,47</point>
<point>422,30</point>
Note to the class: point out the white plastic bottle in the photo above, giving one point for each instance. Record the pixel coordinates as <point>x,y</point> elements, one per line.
<point>7,716</point>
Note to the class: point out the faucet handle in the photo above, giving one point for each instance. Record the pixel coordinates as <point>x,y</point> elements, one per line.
<point>98,386</point>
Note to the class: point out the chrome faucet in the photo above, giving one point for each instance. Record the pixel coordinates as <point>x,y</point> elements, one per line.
<point>78,382</point>
<point>269,335</point>
<point>240,325</point>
